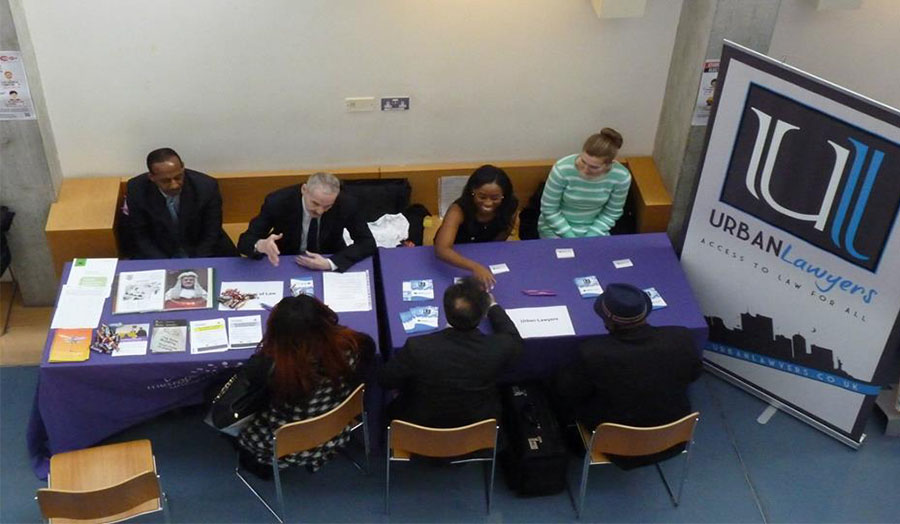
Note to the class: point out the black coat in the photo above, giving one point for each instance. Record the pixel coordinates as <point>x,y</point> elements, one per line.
<point>199,229</point>
<point>637,377</point>
<point>449,378</point>
<point>282,212</point>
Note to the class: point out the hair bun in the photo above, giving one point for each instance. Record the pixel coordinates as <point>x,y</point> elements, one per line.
<point>612,135</point>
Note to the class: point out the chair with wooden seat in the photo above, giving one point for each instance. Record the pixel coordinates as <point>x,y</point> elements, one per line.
<point>107,483</point>
<point>405,439</point>
<point>630,441</point>
<point>303,435</point>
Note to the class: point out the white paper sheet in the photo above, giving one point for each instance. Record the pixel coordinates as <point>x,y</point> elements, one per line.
<point>565,252</point>
<point>623,263</point>
<point>208,336</point>
<point>78,308</point>
<point>536,322</point>
<point>244,332</point>
<point>268,293</point>
<point>93,273</point>
<point>347,291</point>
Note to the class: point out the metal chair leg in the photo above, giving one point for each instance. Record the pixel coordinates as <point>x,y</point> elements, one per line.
<point>237,471</point>
<point>365,423</point>
<point>276,473</point>
<point>583,487</point>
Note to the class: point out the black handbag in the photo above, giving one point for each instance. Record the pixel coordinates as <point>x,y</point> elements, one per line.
<point>241,397</point>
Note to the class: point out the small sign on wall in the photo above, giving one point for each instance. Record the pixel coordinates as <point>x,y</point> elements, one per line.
<point>15,98</point>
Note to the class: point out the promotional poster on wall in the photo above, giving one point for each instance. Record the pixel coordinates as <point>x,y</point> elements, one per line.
<point>791,244</point>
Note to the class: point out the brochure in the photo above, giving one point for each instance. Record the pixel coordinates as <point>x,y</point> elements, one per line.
<point>208,336</point>
<point>244,332</point>
<point>303,285</point>
<point>589,286</point>
<point>420,319</point>
<point>133,339</point>
<point>655,298</point>
<point>70,345</point>
<point>250,296</point>
<point>168,336</point>
<point>163,290</point>
<point>414,290</point>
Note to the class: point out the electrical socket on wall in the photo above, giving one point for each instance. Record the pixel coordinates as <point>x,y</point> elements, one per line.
<point>395,103</point>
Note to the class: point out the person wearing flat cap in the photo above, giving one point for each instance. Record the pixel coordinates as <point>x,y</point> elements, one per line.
<point>637,375</point>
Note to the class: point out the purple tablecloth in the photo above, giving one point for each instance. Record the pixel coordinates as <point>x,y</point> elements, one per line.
<point>533,265</point>
<point>79,404</point>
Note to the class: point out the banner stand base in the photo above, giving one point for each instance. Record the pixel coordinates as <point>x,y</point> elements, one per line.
<point>758,393</point>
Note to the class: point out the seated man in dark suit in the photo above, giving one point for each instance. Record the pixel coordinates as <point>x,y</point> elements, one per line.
<point>637,375</point>
<point>307,220</point>
<point>175,212</point>
<point>449,378</point>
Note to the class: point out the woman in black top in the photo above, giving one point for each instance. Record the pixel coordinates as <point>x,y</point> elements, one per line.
<point>485,212</point>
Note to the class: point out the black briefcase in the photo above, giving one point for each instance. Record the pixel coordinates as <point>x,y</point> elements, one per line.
<point>535,458</point>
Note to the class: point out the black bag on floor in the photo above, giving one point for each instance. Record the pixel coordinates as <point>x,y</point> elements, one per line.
<point>535,457</point>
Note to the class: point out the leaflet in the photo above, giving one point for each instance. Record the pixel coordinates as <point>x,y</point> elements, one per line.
<point>70,345</point>
<point>655,298</point>
<point>589,286</point>
<point>142,291</point>
<point>168,336</point>
<point>415,290</point>
<point>303,286</point>
<point>244,332</point>
<point>133,339</point>
<point>208,336</point>
<point>250,296</point>
<point>93,273</point>
<point>420,319</point>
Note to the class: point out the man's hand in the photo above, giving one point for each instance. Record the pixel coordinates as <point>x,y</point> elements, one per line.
<point>313,261</point>
<point>485,276</point>
<point>269,247</point>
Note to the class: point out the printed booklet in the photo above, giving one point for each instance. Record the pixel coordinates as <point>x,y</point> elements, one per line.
<point>164,290</point>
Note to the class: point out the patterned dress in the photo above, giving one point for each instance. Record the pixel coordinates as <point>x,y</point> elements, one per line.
<point>573,206</point>
<point>256,438</point>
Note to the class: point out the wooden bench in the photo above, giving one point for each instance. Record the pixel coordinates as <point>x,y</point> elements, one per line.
<point>82,221</point>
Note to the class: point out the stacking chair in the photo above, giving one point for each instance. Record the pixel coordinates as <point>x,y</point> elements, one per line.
<point>630,441</point>
<point>307,434</point>
<point>405,439</point>
<point>103,484</point>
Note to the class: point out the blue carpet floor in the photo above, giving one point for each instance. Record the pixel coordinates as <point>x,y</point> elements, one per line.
<point>741,471</point>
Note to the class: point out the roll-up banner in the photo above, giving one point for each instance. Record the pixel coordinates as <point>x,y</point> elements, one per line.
<point>791,243</point>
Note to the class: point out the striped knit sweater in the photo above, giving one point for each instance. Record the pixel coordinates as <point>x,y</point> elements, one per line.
<point>573,206</point>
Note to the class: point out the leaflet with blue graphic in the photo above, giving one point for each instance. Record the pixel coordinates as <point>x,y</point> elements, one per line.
<point>589,286</point>
<point>303,286</point>
<point>420,319</point>
<point>414,290</point>
<point>655,298</point>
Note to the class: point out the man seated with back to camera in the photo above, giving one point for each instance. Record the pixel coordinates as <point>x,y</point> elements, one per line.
<point>309,220</point>
<point>449,378</point>
<point>637,375</point>
<point>175,212</point>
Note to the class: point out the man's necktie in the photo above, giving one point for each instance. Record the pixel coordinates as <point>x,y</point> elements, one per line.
<point>173,211</point>
<point>312,236</point>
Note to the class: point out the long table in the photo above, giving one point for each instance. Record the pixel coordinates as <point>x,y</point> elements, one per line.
<point>533,264</point>
<point>79,404</point>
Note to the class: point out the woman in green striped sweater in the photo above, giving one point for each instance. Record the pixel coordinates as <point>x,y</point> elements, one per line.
<point>585,193</point>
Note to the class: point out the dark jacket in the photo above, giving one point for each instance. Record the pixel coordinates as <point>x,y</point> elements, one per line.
<point>449,378</point>
<point>637,377</point>
<point>199,229</point>
<point>282,212</point>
